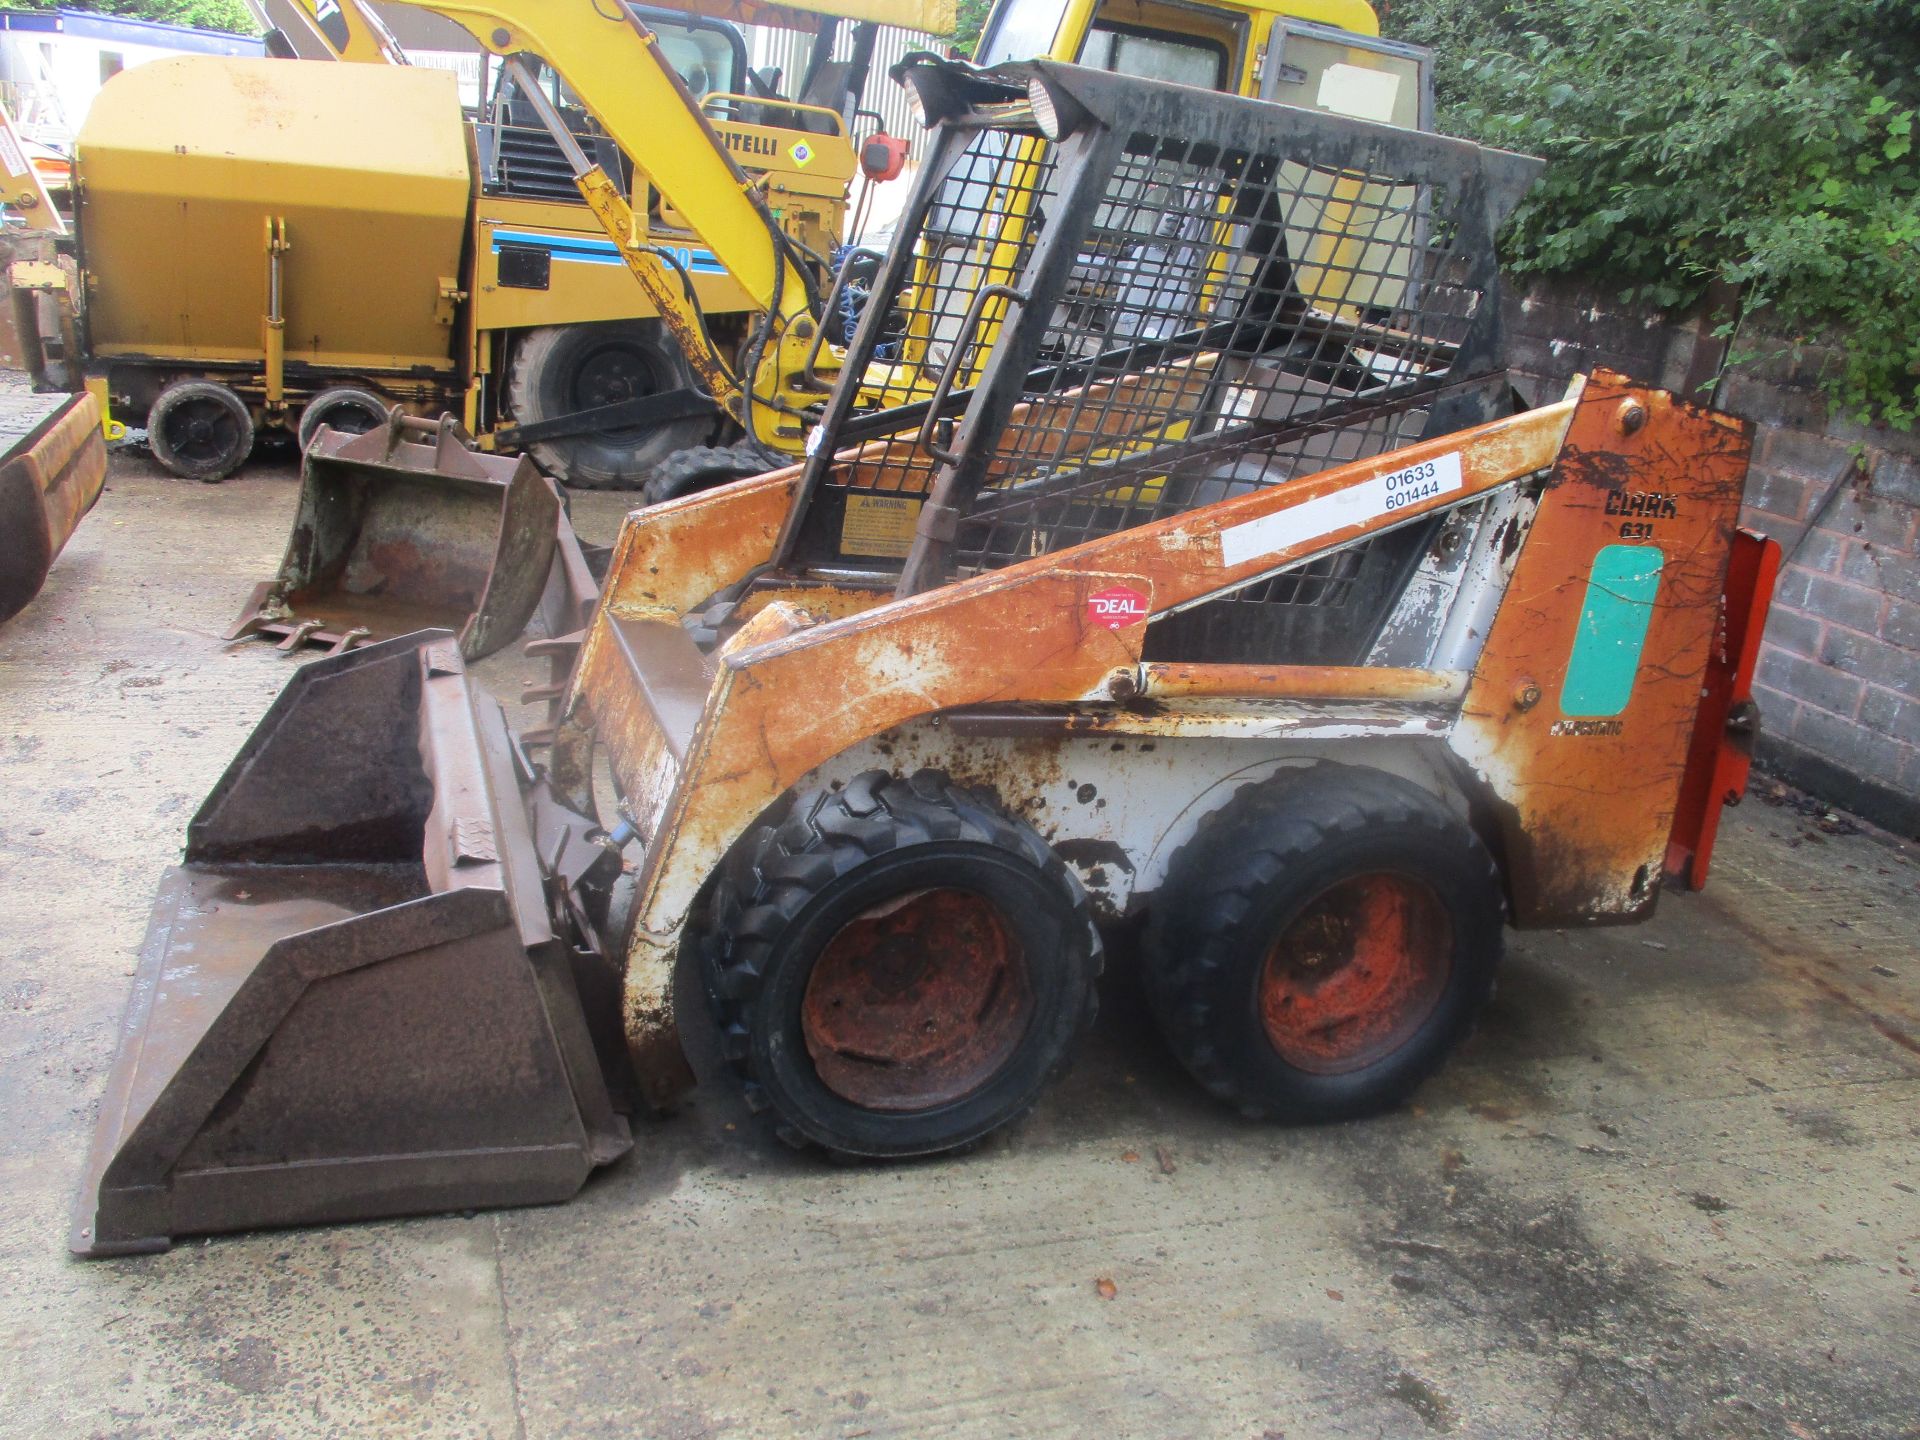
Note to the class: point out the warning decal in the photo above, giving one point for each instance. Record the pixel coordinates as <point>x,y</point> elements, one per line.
<point>879,525</point>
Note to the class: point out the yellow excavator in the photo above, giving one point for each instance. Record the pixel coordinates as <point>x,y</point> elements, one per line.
<point>774,386</point>
<point>501,299</point>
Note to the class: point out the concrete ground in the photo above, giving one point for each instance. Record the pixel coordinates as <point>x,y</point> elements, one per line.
<point>1670,1189</point>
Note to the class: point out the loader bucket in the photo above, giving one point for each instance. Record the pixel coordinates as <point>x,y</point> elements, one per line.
<point>361,994</point>
<point>53,461</point>
<point>406,528</point>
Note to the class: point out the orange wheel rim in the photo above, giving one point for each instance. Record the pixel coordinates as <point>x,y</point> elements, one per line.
<point>1356,973</point>
<point>916,1002</point>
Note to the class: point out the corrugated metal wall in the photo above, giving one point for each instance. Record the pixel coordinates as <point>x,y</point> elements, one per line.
<point>788,49</point>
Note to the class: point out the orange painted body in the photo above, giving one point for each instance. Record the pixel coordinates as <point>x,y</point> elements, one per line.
<point>704,744</point>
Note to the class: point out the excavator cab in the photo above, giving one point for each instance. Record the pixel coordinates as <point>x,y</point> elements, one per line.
<point>1214,44</point>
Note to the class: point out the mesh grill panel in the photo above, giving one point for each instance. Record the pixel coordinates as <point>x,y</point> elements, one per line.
<point>1222,296</point>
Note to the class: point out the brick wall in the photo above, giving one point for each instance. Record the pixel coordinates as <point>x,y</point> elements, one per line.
<point>1839,680</point>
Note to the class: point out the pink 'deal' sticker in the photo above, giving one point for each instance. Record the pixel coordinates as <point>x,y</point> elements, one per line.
<point>1116,606</point>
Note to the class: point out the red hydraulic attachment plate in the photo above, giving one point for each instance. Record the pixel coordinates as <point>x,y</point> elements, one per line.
<point>1722,749</point>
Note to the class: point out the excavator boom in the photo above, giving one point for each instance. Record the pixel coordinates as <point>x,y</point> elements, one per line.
<point>349,30</point>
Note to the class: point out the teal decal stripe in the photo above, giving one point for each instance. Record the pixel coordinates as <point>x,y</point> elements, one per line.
<point>585,250</point>
<point>1621,589</point>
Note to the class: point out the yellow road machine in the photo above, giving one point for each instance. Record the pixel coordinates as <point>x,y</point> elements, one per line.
<point>286,244</point>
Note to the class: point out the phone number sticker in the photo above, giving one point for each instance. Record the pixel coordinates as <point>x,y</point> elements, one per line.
<point>1359,504</point>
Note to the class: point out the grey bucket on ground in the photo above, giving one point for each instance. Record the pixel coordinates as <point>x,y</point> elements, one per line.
<point>1671,1188</point>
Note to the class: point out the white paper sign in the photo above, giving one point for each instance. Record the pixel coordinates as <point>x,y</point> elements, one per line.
<point>1357,91</point>
<point>1357,505</point>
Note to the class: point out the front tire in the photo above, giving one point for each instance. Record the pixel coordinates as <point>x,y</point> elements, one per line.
<point>560,369</point>
<point>702,467</point>
<point>898,967</point>
<point>1323,942</point>
<point>200,430</point>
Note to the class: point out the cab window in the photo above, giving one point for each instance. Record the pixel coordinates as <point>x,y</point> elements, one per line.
<point>702,57</point>
<point>709,56</point>
<point>1155,55</point>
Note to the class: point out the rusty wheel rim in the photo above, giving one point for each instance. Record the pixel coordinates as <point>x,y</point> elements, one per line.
<point>1356,973</point>
<point>917,1002</point>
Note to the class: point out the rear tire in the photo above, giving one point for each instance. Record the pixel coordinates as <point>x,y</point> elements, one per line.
<point>1323,942</point>
<point>200,430</point>
<point>560,369</point>
<point>346,408</point>
<point>898,967</point>
<point>704,466</point>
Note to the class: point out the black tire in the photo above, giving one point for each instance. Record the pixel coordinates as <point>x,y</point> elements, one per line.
<point>560,369</point>
<point>345,408</point>
<point>828,1004</point>
<point>702,467</point>
<point>1322,943</point>
<point>200,430</point>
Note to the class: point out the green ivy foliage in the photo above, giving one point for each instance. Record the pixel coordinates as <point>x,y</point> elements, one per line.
<point>206,14</point>
<point>970,18</point>
<point>1766,143</point>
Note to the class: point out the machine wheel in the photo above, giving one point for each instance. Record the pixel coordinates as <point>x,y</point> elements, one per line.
<point>200,430</point>
<point>704,466</point>
<point>559,369</point>
<point>1323,942</point>
<point>898,967</point>
<point>346,408</point>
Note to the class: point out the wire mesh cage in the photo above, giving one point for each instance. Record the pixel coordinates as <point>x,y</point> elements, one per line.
<point>1187,296</point>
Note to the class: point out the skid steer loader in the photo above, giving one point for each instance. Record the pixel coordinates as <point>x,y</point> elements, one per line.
<point>1230,590</point>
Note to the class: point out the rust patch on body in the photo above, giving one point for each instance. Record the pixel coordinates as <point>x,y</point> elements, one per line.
<point>1166,680</point>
